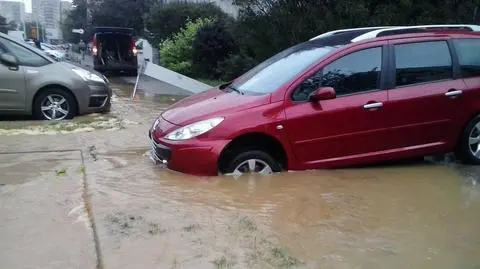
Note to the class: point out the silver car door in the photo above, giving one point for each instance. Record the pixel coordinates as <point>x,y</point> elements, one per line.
<point>12,85</point>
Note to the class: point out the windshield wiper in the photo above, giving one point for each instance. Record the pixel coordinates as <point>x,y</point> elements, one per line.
<point>236,90</point>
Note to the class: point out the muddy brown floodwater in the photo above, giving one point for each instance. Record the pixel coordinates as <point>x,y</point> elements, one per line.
<point>101,203</point>
<point>421,215</point>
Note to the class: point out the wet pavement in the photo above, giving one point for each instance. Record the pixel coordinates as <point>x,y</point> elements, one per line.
<point>115,209</point>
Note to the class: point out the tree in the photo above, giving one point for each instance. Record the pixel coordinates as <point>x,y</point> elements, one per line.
<point>76,18</point>
<point>12,25</point>
<point>212,44</point>
<point>164,20</point>
<point>121,13</point>
<point>176,53</point>
<point>268,26</point>
<point>3,25</point>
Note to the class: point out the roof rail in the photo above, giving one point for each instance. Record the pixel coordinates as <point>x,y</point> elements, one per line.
<point>415,29</point>
<point>340,31</point>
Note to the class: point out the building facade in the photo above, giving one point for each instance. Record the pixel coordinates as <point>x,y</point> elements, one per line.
<point>29,17</point>
<point>65,7</point>
<point>47,13</point>
<point>13,11</point>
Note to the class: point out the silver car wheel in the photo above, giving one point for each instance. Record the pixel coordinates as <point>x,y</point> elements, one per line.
<point>55,107</point>
<point>254,166</point>
<point>474,141</point>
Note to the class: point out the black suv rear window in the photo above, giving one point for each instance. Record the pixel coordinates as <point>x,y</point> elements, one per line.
<point>468,51</point>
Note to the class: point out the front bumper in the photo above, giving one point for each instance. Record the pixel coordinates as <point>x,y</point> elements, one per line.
<point>99,99</point>
<point>192,156</point>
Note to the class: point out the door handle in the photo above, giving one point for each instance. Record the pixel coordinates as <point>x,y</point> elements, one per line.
<point>373,106</point>
<point>453,93</point>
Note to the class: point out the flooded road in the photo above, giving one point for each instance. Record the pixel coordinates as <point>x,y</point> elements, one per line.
<point>405,215</point>
<point>420,215</point>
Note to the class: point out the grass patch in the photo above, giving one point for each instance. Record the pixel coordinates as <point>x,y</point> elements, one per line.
<point>61,172</point>
<point>129,225</point>
<point>281,258</point>
<point>223,263</point>
<point>246,223</point>
<point>191,228</point>
<point>81,170</point>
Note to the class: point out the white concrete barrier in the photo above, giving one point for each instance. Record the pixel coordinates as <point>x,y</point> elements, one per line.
<point>174,78</point>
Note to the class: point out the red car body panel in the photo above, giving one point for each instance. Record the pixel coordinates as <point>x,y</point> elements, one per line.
<point>415,120</point>
<point>210,104</point>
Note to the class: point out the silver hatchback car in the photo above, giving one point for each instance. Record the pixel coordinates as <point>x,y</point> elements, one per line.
<point>33,83</point>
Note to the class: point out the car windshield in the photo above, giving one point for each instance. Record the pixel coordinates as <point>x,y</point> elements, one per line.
<point>279,69</point>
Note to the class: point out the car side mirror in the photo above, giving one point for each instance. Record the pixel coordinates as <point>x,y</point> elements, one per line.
<point>8,59</point>
<point>322,93</point>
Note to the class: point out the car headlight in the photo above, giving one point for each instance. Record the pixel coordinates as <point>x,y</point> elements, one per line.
<point>194,129</point>
<point>87,75</point>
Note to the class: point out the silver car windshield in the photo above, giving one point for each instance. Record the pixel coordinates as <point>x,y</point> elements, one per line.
<point>280,69</point>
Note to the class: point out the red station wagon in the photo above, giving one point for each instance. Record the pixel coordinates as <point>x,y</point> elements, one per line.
<point>329,103</point>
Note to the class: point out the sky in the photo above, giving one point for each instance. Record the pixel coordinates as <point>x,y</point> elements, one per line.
<point>28,6</point>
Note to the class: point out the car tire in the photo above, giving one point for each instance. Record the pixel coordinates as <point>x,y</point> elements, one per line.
<point>261,162</point>
<point>468,147</point>
<point>63,99</point>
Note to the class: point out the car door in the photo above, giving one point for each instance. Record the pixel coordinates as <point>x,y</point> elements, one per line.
<point>12,84</point>
<point>425,98</point>
<point>18,80</point>
<point>469,62</point>
<point>347,127</point>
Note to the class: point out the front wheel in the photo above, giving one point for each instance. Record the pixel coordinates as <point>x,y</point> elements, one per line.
<point>54,104</point>
<point>468,148</point>
<point>252,162</point>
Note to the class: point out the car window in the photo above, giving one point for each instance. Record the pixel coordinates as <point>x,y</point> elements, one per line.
<point>468,51</point>
<point>422,62</point>
<point>25,56</point>
<point>354,73</point>
<point>280,69</point>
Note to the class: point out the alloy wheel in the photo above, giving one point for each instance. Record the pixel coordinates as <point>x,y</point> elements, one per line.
<point>254,166</point>
<point>55,107</point>
<point>474,141</point>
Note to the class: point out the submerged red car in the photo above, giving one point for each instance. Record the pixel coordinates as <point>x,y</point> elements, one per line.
<point>329,103</point>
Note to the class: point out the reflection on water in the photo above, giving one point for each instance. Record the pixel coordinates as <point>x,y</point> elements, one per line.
<point>421,215</point>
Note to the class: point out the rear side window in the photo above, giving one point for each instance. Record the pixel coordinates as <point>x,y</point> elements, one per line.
<point>24,56</point>
<point>468,51</point>
<point>422,62</point>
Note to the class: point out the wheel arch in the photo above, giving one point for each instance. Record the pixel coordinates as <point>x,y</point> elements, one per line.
<point>253,141</point>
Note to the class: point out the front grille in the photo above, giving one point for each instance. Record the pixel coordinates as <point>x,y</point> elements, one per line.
<point>162,152</point>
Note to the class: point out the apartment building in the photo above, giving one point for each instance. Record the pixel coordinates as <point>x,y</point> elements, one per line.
<point>13,11</point>
<point>65,6</point>
<point>47,13</point>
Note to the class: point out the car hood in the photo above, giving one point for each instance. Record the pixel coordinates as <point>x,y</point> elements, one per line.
<point>209,104</point>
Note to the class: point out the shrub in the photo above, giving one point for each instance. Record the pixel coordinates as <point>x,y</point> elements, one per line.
<point>235,65</point>
<point>212,44</point>
<point>176,53</point>
<point>164,20</point>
